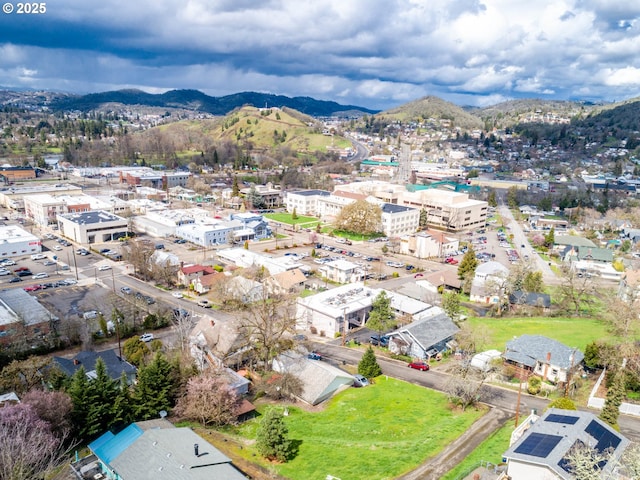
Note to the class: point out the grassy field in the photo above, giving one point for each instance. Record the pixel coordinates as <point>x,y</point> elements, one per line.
<point>380,432</point>
<point>574,332</point>
<point>490,450</point>
<point>286,218</point>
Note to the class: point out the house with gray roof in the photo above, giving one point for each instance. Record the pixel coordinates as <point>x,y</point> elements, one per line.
<point>543,356</point>
<point>115,365</point>
<point>156,449</point>
<point>560,242</point>
<point>425,337</point>
<point>540,447</point>
<point>320,381</point>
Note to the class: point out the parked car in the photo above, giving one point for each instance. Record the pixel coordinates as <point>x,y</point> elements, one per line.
<point>40,275</point>
<point>48,263</point>
<point>204,303</point>
<point>15,280</point>
<point>126,290</point>
<point>423,366</point>
<point>146,337</point>
<point>7,262</point>
<point>24,273</point>
<point>38,256</point>
<point>57,248</point>
<point>32,288</point>
<point>4,271</point>
<point>360,381</point>
<point>382,341</point>
<point>177,295</point>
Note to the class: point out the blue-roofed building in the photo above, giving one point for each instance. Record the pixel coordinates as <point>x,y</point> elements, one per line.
<point>540,445</point>
<point>156,449</point>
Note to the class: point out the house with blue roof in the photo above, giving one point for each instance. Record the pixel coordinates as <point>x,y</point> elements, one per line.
<point>155,449</point>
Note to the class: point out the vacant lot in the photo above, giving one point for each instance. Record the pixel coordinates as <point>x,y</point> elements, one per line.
<point>573,332</point>
<point>286,218</point>
<point>380,432</point>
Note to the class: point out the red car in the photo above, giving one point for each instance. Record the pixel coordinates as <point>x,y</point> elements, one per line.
<point>32,288</point>
<point>419,366</point>
<point>451,261</point>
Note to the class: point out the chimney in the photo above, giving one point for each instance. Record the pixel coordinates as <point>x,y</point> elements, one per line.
<point>546,365</point>
<point>195,449</point>
<point>76,361</point>
<point>213,324</point>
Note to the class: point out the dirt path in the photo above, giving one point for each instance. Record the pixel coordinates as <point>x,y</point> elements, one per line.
<point>451,456</point>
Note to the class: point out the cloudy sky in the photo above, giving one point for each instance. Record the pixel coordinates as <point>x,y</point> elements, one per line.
<point>372,53</point>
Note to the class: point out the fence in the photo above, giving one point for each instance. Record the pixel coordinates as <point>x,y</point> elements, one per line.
<point>598,403</point>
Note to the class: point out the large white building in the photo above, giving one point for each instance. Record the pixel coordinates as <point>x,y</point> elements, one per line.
<point>398,220</point>
<point>15,241</point>
<point>304,202</point>
<point>44,208</point>
<point>92,227</point>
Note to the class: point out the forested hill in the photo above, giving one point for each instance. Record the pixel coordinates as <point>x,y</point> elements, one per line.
<point>198,101</point>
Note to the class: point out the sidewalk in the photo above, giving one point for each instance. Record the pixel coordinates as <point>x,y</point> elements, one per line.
<point>454,453</point>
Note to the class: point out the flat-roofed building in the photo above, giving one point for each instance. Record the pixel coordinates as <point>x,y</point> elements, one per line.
<point>13,196</point>
<point>304,202</point>
<point>16,241</point>
<point>398,220</point>
<point>44,208</point>
<point>448,210</point>
<point>92,227</point>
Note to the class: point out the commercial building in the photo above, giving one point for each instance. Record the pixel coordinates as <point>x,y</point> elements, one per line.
<point>398,220</point>
<point>44,208</point>
<point>16,241</point>
<point>13,197</point>
<point>17,174</point>
<point>304,202</point>
<point>92,227</point>
<point>24,322</point>
<point>428,244</point>
<point>155,179</point>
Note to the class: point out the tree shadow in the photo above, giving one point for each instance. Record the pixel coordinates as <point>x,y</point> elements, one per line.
<point>294,448</point>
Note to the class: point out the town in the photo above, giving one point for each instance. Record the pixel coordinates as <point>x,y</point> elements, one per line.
<point>432,298</point>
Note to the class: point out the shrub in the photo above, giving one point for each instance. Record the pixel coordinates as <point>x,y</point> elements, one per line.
<point>534,385</point>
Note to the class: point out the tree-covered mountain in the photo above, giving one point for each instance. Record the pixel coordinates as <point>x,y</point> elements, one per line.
<point>198,101</point>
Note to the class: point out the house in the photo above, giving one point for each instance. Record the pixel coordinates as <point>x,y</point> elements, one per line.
<point>217,341</point>
<point>540,446</point>
<point>290,281</point>
<point>425,337</point>
<point>205,283</point>
<point>541,301</point>
<point>320,381</point>
<point>584,253</point>
<point>542,356</point>
<point>447,280</point>
<point>7,399</point>
<point>188,273</point>
<point>243,289</point>
<point>487,284</point>
<point>428,244</point>
<point>168,452</point>
<point>342,271</point>
<point>114,364</point>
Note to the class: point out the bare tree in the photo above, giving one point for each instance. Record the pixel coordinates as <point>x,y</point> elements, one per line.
<point>464,387</point>
<point>182,325</point>
<point>360,217</point>
<point>267,324</point>
<point>576,289</point>
<point>138,253</point>
<point>586,462</point>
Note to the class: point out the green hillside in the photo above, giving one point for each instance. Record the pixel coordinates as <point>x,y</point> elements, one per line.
<point>432,108</point>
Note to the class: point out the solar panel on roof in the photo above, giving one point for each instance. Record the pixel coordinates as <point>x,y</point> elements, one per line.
<point>605,438</point>
<point>567,419</point>
<point>538,445</point>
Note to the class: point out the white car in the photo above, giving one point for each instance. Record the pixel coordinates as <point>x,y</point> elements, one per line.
<point>7,262</point>
<point>57,247</point>
<point>40,275</point>
<point>146,337</point>
<point>38,256</point>
<point>102,268</point>
<point>177,294</point>
<point>204,303</point>
<point>4,271</point>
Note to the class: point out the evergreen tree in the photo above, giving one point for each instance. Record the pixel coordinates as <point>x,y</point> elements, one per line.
<point>272,438</point>
<point>451,304</point>
<point>491,198</point>
<point>550,238</point>
<point>235,189</point>
<point>102,391</point>
<point>381,317</point>
<point>156,388</point>
<point>615,396</point>
<point>122,404</point>
<point>467,269</point>
<point>368,366</point>
<point>424,218</point>
<point>294,214</point>
<point>79,392</point>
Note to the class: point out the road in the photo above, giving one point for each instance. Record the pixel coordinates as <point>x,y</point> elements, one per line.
<point>520,239</point>
<point>497,397</point>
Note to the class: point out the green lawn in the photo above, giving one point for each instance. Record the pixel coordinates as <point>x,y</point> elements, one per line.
<point>286,218</point>
<point>490,450</point>
<point>380,432</point>
<point>574,332</point>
